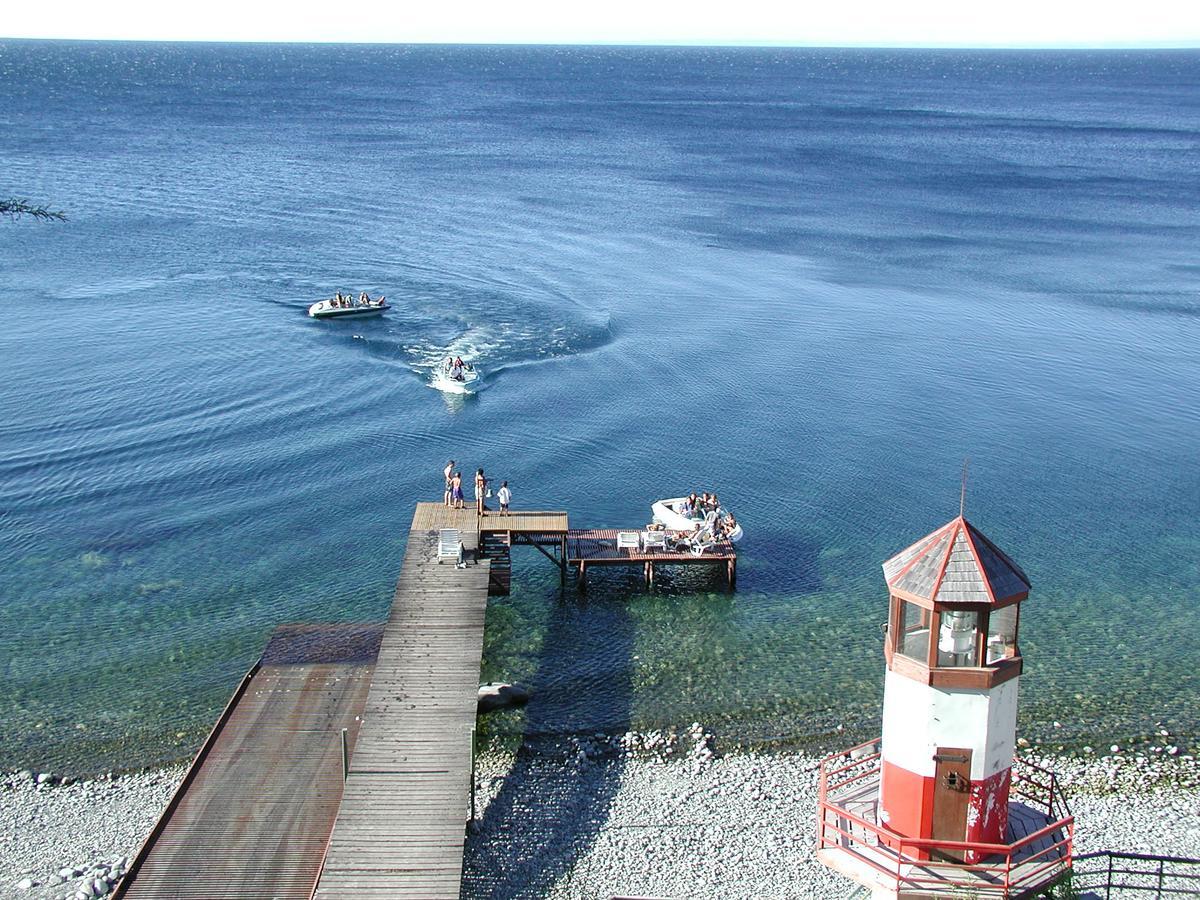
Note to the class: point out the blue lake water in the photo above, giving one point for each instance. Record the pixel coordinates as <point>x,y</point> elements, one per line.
<point>813,281</point>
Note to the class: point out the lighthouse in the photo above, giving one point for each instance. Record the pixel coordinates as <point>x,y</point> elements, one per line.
<point>950,691</point>
<point>938,803</point>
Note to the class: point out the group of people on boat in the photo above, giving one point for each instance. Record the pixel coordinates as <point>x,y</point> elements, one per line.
<point>707,507</point>
<point>347,301</point>
<point>455,368</point>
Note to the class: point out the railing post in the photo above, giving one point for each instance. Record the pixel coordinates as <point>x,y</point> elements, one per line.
<point>472,774</point>
<point>345,756</point>
<point>1160,878</point>
<point>1007,873</point>
<point>1108,881</point>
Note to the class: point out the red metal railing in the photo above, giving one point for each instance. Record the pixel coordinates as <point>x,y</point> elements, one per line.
<point>1004,870</point>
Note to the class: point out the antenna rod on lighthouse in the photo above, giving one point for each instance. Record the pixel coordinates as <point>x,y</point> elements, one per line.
<point>962,496</point>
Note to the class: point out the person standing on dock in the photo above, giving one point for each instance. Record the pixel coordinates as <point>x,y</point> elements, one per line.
<point>504,495</point>
<point>456,490</point>
<point>480,491</point>
<point>448,474</point>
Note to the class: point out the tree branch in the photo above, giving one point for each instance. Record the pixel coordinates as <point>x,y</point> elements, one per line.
<point>14,209</point>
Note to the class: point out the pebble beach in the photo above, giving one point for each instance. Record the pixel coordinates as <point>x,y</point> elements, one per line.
<point>659,814</point>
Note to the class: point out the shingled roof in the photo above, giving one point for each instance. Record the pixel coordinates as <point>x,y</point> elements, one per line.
<point>956,564</point>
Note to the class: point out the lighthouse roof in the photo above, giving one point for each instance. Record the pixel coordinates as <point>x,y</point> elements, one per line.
<point>956,564</point>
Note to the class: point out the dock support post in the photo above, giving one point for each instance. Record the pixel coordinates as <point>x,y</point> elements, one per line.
<point>562,562</point>
<point>345,755</point>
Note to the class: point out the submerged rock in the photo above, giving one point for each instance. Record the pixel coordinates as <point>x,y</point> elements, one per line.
<point>501,695</point>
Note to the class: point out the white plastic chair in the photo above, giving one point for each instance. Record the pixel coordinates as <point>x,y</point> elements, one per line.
<point>702,540</point>
<point>628,540</point>
<point>450,546</point>
<point>654,540</point>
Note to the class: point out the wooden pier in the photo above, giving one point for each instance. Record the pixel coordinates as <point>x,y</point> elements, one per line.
<point>401,826</point>
<point>266,809</point>
<point>253,813</point>
<point>598,547</point>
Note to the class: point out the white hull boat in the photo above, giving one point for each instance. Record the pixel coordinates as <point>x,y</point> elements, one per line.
<point>667,514</point>
<point>326,309</point>
<point>448,384</point>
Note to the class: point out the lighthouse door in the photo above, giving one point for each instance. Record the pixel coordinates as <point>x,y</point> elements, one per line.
<point>951,797</point>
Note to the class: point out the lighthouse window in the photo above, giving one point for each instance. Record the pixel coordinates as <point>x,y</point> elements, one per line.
<point>1002,634</point>
<point>913,639</point>
<point>957,638</point>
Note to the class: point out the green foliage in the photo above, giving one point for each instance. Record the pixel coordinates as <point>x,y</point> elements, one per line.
<point>14,209</point>
<point>1062,889</point>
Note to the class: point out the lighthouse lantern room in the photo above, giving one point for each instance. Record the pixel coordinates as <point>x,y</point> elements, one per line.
<point>931,798</point>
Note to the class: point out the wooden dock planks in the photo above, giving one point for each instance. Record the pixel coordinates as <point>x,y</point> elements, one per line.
<point>253,815</point>
<point>401,826</point>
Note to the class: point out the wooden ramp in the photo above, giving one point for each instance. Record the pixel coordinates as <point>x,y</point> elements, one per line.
<point>253,814</point>
<point>402,822</point>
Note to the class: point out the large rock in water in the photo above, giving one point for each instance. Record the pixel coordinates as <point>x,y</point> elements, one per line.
<point>500,695</point>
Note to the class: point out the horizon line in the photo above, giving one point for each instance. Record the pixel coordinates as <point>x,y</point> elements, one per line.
<point>1192,44</point>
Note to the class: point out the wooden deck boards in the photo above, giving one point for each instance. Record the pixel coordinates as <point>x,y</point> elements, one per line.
<point>599,546</point>
<point>401,826</point>
<point>255,812</point>
<point>433,516</point>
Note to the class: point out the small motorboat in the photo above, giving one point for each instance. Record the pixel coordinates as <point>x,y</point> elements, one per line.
<point>348,308</point>
<point>453,379</point>
<point>669,514</point>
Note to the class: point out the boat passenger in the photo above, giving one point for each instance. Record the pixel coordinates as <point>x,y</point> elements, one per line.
<point>364,298</point>
<point>685,509</point>
<point>693,500</point>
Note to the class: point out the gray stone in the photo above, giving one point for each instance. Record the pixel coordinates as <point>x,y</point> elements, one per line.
<point>501,695</point>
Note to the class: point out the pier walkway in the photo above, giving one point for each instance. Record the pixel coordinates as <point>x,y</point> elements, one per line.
<point>401,826</point>
<point>254,811</point>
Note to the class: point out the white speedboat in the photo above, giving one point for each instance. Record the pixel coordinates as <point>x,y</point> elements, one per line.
<point>347,308</point>
<point>450,380</point>
<point>668,514</point>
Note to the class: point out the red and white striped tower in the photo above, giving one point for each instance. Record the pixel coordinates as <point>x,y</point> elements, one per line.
<point>950,692</point>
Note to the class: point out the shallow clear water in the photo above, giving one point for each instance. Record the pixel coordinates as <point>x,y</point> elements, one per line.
<point>814,281</point>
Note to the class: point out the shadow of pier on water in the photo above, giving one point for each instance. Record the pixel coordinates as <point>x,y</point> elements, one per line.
<point>554,799</point>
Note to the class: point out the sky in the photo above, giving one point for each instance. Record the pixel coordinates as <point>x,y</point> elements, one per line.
<point>870,23</point>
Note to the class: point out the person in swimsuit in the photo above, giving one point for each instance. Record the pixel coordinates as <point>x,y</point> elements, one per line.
<point>480,491</point>
<point>448,474</point>
<point>456,489</point>
<point>504,495</point>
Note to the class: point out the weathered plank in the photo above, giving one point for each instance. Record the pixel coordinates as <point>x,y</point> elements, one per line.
<point>400,829</point>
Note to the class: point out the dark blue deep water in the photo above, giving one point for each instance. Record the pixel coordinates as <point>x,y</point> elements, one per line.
<point>814,281</point>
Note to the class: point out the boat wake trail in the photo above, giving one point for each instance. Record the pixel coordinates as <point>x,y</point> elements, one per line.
<point>490,330</point>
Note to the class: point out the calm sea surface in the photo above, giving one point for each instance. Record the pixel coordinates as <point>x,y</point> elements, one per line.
<point>813,281</point>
